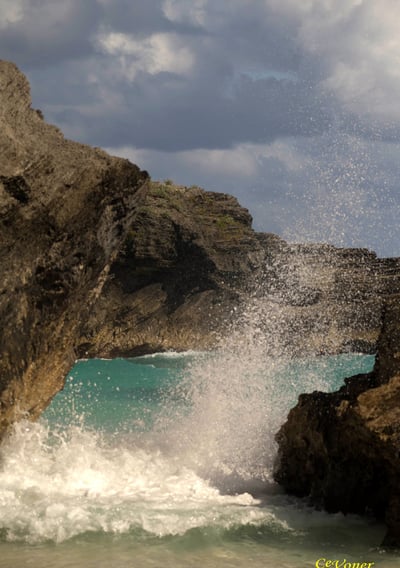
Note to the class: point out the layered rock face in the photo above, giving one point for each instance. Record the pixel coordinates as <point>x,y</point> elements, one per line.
<point>343,449</point>
<point>65,209</point>
<point>192,263</point>
<point>184,265</point>
<point>330,299</point>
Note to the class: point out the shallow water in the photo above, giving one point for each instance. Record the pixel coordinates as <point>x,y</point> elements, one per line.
<point>166,461</point>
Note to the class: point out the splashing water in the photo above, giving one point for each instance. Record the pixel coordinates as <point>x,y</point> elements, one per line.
<point>236,406</point>
<point>65,476</point>
<point>57,489</point>
<point>349,195</point>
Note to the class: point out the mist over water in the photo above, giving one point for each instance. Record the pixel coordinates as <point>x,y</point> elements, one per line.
<point>350,191</point>
<point>237,399</point>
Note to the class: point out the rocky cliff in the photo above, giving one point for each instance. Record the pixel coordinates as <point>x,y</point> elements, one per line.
<point>330,298</point>
<point>342,450</point>
<point>185,263</point>
<point>65,210</point>
<point>191,261</point>
<point>98,260</point>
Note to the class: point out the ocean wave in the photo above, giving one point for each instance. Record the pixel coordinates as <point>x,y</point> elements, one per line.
<point>57,485</point>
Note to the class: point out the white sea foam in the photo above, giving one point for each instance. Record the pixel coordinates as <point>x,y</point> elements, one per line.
<point>171,354</point>
<point>54,487</point>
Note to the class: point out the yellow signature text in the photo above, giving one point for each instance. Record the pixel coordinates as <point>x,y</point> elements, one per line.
<point>326,563</point>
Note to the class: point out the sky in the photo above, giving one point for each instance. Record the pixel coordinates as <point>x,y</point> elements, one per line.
<point>293,106</point>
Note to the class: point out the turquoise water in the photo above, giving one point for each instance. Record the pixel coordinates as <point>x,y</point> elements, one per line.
<point>166,460</point>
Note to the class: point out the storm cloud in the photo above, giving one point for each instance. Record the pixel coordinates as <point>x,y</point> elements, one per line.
<point>292,106</point>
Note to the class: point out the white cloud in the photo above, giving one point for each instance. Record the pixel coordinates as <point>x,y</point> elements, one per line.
<point>182,11</point>
<point>358,44</point>
<point>157,53</point>
<point>243,161</point>
<point>239,161</point>
<point>283,151</point>
<point>50,16</point>
<point>11,11</point>
<point>316,9</point>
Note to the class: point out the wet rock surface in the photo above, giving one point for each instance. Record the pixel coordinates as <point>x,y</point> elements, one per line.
<point>342,450</point>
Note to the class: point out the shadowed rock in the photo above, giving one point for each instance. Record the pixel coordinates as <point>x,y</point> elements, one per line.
<point>187,261</point>
<point>65,209</point>
<point>342,450</point>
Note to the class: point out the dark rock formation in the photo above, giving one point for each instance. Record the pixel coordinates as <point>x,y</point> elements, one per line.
<point>98,260</point>
<point>65,210</point>
<point>331,298</point>
<point>343,449</point>
<point>191,257</point>
<point>183,266</point>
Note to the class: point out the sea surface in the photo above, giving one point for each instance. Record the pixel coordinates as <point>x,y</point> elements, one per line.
<point>166,461</point>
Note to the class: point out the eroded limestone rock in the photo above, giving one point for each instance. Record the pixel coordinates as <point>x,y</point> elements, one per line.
<point>342,450</point>
<point>65,209</point>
